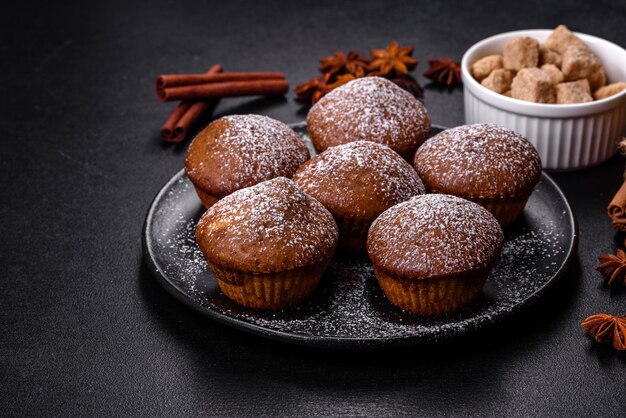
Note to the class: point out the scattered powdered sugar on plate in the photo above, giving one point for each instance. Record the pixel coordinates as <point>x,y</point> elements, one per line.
<point>349,303</point>
<point>349,309</point>
<point>532,255</point>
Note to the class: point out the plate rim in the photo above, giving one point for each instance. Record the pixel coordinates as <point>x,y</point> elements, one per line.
<point>347,342</point>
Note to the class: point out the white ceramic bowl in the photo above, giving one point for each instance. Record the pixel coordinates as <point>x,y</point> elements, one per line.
<point>567,136</point>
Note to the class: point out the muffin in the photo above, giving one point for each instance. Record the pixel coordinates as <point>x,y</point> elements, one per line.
<point>433,253</point>
<point>357,182</point>
<point>485,163</point>
<point>267,245</point>
<point>239,151</point>
<point>369,109</point>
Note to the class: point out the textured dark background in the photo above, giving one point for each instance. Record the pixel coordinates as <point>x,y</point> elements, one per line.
<point>85,330</point>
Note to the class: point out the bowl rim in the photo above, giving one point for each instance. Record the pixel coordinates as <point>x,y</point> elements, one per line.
<point>530,108</point>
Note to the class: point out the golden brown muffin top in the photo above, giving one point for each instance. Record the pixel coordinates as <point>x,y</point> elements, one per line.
<point>270,227</point>
<point>239,151</point>
<point>478,161</point>
<point>434,235</point>
<point>359,180</point>
<point>370,109</point>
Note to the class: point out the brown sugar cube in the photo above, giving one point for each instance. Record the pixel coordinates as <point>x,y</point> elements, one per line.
<point>520,53</point>
<point>556,76</point>
<point>562,38</point>
<point>507,93</point>
<point>548,56</point>
<point>597,79</point>
<point>579,63</point>
<point>611,89</point>
<point>484,66</point>
<point>533,85</point>
<point>573,92</point>
<point>499,80</point>
<point>579,84</point>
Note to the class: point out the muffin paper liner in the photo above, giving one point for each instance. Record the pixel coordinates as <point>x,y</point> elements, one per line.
<point>435,296</point>
<point>269,290</point>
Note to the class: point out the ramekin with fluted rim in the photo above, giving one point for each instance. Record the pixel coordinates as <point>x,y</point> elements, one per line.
<point>567,136</point>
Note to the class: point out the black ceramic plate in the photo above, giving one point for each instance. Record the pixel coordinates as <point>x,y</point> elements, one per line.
<point>349,310</point>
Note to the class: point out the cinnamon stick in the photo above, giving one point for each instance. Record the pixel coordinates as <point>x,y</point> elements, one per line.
<point>272,87</point>
<point>617,209</point>
<point>174,80</point>
<point>186,115</point>
<point>167,130</point>
<point>189,119</point>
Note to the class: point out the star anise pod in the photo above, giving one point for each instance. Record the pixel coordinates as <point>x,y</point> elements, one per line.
<point>409,84</point>
<point>313,90</point>
<point>340,81</point>
<point>607,329</point>
<point>392,61</point>
<point>613,267</point>
<point>340,63</point>
<point>444,71</point>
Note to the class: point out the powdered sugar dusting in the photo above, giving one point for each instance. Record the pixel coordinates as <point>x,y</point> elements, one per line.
<point>359,174</point>
<point>489,161</point>
<point>434,235</point>
<point>176,238</point>
<point>246,150</point>
<point>350,304</point>
<point>370,108</point>
<point>349,309</point>
<point>271,224</point>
